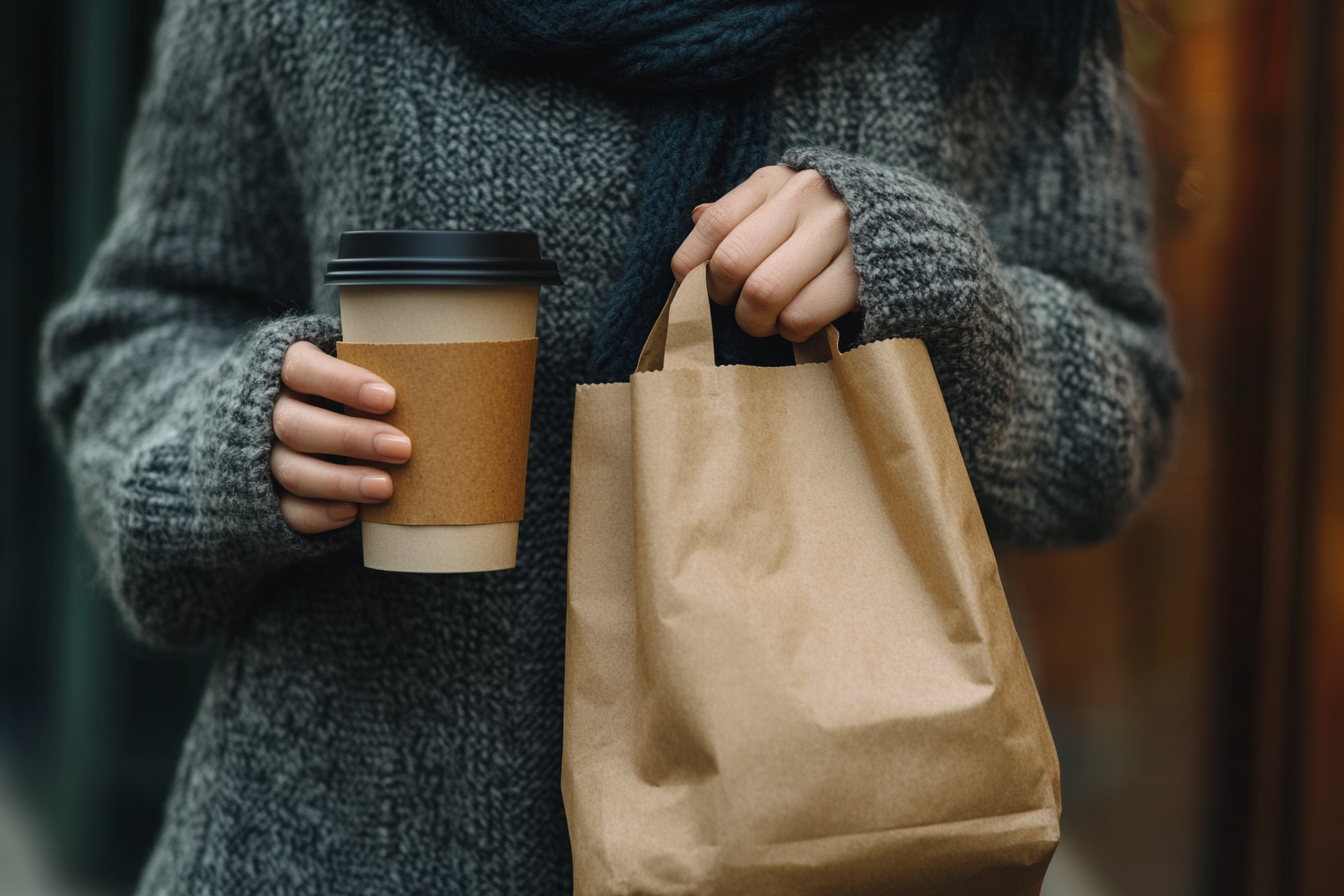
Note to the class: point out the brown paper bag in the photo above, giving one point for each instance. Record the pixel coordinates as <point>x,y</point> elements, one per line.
<point>790,668</point>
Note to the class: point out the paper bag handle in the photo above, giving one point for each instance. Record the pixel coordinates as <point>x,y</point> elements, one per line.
<point>684,334</point>
<point>690,330</point>
<point>818,348</point>
<point>694,342</point>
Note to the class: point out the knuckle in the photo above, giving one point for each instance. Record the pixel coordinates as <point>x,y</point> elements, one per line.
<point>287,365</point>
<point>732,261</point>
<point>796,325</point>
<point>839,218</point>
<point>716,221</point>
<point>849,282</point>
<point>764,291</point>
<point>283,469</point>
<point>835,214</point>
<point>756,327</point>
<point>290,511</point>
<point>304,516</point>
<point>807,187</point>
<point>347,382</point>
<point>282,420</point>
<point>353,440</point>
<point>292,366</point>
<point>681,265</point>
<point>810,180</point>
<point>335,482</point>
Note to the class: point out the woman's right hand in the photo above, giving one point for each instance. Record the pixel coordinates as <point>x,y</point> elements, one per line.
<point>317,495</point>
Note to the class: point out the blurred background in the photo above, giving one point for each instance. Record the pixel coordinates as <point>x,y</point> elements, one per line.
<point>1192,670</point>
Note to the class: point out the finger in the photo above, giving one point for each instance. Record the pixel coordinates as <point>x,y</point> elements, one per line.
<point>744,250</point>
<point>313,430</point>
<point>718,219</point>
<point>776,281</point>
<point>311,371</point>
<point>310,517</point>
<point>311,477</point>
<point>830,294</point>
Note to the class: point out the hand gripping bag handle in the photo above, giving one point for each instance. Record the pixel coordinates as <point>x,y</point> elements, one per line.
<point>683,337</point>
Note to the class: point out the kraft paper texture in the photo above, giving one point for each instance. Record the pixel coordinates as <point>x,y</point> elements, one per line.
<point>467,407</point>
<point>790,667</point>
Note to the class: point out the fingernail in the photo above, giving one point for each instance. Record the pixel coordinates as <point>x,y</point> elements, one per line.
<point>377,395</point>
<point>379,488</point>
<point>397,447</point>
<point>342,510</point>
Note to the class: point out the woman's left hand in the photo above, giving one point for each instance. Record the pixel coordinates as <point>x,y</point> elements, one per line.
<point>779,244</point>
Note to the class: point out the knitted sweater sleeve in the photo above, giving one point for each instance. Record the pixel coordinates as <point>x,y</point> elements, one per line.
<point>158,376</point>
<point>1047,334</point>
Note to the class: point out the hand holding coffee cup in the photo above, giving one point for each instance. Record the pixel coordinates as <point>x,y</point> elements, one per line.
<point>318,495</point>
<point>448,320</point>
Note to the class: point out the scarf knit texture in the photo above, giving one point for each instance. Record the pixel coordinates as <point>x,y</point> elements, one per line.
<point>698,65</point>
<point>371,732</point>
<point>697,68</point>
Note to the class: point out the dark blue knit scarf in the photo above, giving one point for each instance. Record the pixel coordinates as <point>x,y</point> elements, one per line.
<point>701,71</point>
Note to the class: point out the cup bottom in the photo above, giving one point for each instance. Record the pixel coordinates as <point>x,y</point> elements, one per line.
<point>440,548</point>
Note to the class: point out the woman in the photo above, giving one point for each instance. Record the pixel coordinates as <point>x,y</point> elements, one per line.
<point>972,178</point>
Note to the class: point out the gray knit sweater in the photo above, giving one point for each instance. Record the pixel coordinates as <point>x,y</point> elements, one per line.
<point>369,732</point>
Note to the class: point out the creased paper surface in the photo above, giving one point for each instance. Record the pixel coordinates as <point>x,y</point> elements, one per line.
<point>790,668</point>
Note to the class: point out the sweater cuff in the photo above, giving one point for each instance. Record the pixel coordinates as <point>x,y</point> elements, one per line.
<point>202,522</point>
<point>921,253</point>
<point>231,453</point>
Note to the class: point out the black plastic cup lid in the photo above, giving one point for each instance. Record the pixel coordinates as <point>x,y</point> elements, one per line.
<point>456,257</point>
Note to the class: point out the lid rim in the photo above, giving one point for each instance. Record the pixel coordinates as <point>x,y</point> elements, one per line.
<point>440,279</point>
<point>481,257</point>
<point>437,259</point>
<point>443,264</point>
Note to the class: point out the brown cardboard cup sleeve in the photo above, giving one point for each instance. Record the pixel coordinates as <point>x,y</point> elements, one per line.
<point>467,408</point>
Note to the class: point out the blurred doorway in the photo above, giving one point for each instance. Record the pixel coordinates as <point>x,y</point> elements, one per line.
<point>1193,669</point>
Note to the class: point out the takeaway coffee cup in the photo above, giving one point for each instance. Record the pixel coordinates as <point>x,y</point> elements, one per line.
<point>449,318</point>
